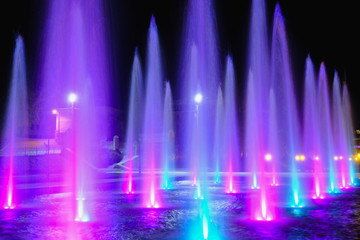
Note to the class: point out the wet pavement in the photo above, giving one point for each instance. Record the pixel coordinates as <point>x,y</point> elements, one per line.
<point>115,215</point>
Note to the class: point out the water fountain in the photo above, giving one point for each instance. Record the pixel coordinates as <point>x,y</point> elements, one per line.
<point>349,151</point>
<point>134,124</point>
<point>257,97</point>
<point>218,136</point>
<point>276,148</point>
<point>325,129</point>
<point>71,63</point>
<point>231,138</point>
<point>15,128</point>
<point>168,154</point>
<point>198,83</point>
<point>287,115</point>
<point>312,140</point>
<point>152,128</point>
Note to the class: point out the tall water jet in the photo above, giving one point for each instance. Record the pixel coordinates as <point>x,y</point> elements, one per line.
<point>339,134</point>
<point>258,64</point>
<point>16,125</point>
<point>325,128</point>
<point>152,129</point>
<point>311,136</point>
<point>134,122</point>
<point>168,154</point>
<point>74,59</point>
<point>199,76</point>
<point>273,156</point>
<point>58,49</point>
<point>219,134</point>
<point>257,112</point>
<point>349,132</point>
<point>231,137</point>
<point>287,115</point>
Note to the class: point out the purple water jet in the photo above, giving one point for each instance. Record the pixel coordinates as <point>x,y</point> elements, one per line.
<point>168,156</point>
<point>199,75</point>
<point>152,129</point>
<point>311,137</point>
<point>16,126</point>
<point>134,122</point>
<point>231,138</point>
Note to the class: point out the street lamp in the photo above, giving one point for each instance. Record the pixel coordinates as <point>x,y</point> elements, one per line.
<point>198,98</point>
<point>72,98</point>
<point>268,157</point>
<point>57,113</point>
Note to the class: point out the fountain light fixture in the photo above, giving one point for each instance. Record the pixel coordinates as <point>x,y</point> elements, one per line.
<point>300,158</point>
<point>317,158</point>
<point>198,98</point>
<point>72,97</point>
<point>54,111</point>
<point>268,157</point>
<point>336,158</point>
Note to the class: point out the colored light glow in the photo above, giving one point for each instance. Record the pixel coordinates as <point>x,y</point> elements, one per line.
<point>317,158</point>
<point>9,207</point>
<point>268,157</point>
<point>54,111</point>
<point>198,98</point>
<point>72,97</point>
<point>152,195</point>
<point>336,158</point>
<point>296,198</point>
<point>194,182</point>
<point>300,158</point>
<point>217,178</point>
<point>205,227</point>
<point>81,216</point>
<point>263,207</point>
<point>130,183</point>
<point>231,189</point>
<point>340,157</point>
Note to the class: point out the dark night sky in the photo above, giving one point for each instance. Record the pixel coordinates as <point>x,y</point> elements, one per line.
<point>328,30</point>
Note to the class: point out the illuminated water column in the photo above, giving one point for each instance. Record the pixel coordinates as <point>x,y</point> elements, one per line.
<point>349,131</point>
<point>273,156</point>
<point>168,154</point>
<point>199,73</point>
<point>134,120</point>
<point>257,93</point>
<point>287,115</point>
<point>74,58</point>
<point>219,134</point>
<point>252,132</point>
<point>257,115</point>
<point>152,130</point>
<point>16,124</point>
<point>325,129</point>
<point>231,138</point>
<point>339,133</point>
<point>311,136</point>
